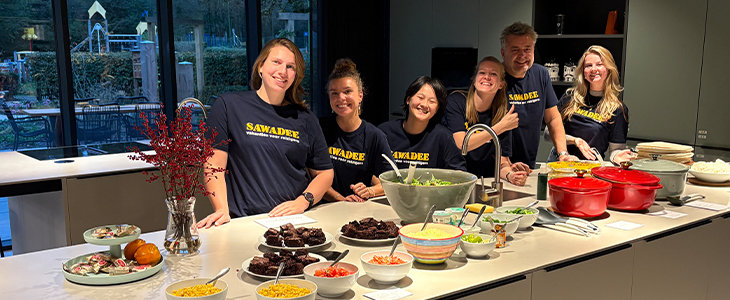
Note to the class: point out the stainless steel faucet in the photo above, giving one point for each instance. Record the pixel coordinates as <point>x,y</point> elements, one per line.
<point>497,189</point>
<point>193,100</point>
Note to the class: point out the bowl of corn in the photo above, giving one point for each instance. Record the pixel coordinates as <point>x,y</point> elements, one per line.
<point>290,288</point>
<point>197,289</point>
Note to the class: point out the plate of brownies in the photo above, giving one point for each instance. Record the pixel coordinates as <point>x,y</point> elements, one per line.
<point>266,265</point>
<point>369,231</point>
<point>288,237</point>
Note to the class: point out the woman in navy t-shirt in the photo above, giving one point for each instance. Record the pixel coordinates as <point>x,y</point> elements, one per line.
<point>276,156</point>
<point>486,102</point>
<point>593,113</point>
<point>355,146</point>
<point>420,139</point>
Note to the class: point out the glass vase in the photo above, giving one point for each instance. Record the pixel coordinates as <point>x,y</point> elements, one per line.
<point>181,235</point>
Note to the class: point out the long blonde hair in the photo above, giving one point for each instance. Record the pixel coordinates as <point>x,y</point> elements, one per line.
<point>612,88</point>
<point>295,93</point>
<point>499,103</point>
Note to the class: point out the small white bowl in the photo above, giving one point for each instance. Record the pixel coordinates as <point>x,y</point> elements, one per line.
<point>469,230</point>
<point>191,282</point>
<point>710,177</point>
<point>526,221</point>
<point>386,274</point>
<point>511,226</point>
<point>478,249</point>
<point>298,282</point>
<point>332,286</point>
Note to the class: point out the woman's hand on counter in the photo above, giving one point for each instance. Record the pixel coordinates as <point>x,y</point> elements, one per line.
<point>291,207</point>
<point>217,218</point>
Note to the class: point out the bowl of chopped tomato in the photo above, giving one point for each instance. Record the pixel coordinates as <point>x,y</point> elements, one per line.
<point>386,269</point>
<point>332,281</point>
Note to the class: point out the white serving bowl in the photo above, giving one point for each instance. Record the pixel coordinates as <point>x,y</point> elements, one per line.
<point>478,249</point>
<point>191,282</point>
<point>469,230</point>
<point>298,282</point>
<point>386,274</point>
<point>332,286</point>
<point>710,177</point>
<point>511,226</point>
<point>526,221</point>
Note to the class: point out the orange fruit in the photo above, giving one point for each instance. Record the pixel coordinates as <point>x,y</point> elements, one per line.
<point>132,247</point>
<point>147,254</point>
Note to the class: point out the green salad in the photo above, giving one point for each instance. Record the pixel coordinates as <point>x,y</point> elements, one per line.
<point>472,238</point>
<point>432,182</point>
<point>520,211</point>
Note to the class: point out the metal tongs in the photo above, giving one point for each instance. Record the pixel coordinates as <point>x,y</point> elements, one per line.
<point>548,217</point>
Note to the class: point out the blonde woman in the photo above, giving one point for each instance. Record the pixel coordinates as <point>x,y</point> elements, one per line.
<point>355,145</point>
<point>594,115</point>
<point>276,156</point>
<point>486,102</point>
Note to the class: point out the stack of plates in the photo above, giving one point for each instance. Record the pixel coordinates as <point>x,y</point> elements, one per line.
<point>667,151</point>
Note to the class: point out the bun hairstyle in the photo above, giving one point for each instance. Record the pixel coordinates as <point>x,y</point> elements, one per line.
<point>346,68</point>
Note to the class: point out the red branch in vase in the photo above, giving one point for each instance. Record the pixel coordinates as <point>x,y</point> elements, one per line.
<point>181,153</point>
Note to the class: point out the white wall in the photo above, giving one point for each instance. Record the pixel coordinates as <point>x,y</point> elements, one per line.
<point>416,26</point>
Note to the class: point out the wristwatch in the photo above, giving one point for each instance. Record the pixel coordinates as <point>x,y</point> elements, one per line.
<point>563,153</point>
<point>309,197</point>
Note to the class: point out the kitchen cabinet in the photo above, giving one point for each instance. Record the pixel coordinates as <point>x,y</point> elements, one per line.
<point>674,265</point>
<point>518,289</point>
<point>719,269</point>
<point>582,279</point>
<point>663,66</point>
<point>712,125</point>
<point>584,24</point>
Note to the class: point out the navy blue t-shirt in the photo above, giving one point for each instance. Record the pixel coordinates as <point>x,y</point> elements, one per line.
<point>531,96</point>
<point>269,150</point>
<point>479,161</point>
<point>588,125</point>
<point>356,156</point>
<point>432,148</point>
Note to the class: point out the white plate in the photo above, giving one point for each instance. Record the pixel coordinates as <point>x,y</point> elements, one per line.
<point>369,242</point>
<point>104,278</point>
<point>244,267</point>
<point>327,239</point>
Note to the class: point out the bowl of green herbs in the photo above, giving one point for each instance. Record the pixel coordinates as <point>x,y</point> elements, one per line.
<point>529,214</point>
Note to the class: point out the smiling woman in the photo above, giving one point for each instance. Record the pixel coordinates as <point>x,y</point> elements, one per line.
<point>430,143</point>
<point>275,143</point>
<point>355,145</point>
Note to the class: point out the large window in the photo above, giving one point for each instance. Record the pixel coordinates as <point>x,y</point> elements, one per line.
<point>27,69</point>
<point>210,41</point>
<point>114,60</point>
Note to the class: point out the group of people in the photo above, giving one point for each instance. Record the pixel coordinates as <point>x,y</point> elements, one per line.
<point>281,159</point>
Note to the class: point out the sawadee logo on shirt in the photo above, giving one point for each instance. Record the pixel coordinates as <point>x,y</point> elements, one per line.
<point>272,132</point>
<point>525,98</point>
<point>406,157</point>
<point>589,114</point>
<point>354,158</point>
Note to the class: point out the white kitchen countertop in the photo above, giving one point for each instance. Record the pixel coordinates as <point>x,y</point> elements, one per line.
<point>38,275</point>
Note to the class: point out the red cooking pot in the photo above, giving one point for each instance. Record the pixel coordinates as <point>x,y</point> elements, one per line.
<point>631,189</point>
<point>578,196</point>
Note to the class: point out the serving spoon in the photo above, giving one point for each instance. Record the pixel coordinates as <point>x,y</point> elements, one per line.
<point>340,257</point>
<point>278,272</point>
<point>684,200</point>
<point>466,211</point>
<point>428,217</point>
<point>395,168</point>
<point>220,274</point>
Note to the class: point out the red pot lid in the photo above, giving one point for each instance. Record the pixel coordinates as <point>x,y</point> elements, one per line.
<point>579,184</point>
<point>625,175</point>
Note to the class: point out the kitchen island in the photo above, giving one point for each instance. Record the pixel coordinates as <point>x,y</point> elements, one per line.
<point>683,258</point>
